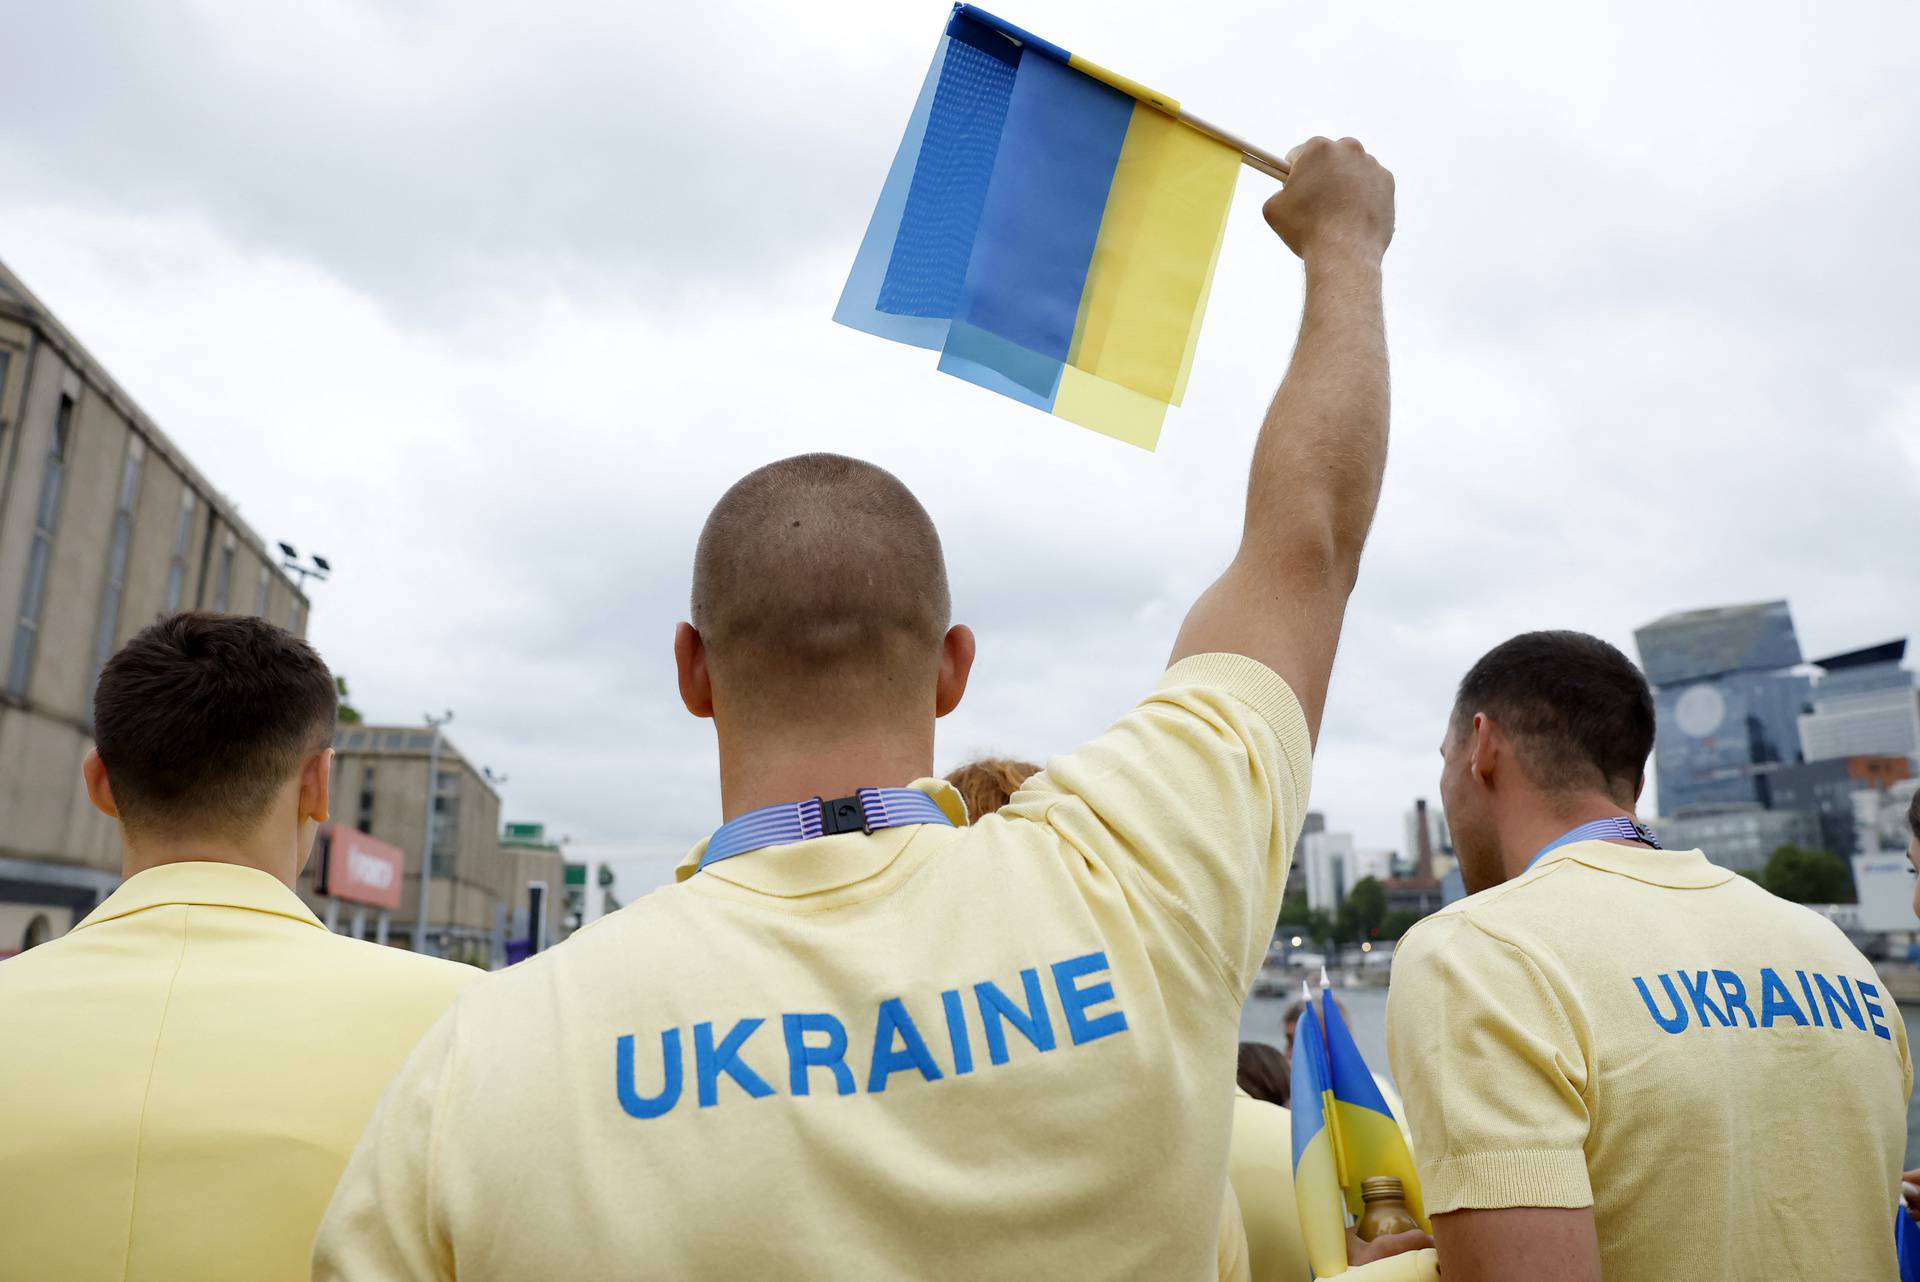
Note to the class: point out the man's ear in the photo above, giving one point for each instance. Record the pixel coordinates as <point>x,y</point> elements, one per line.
<point>1484,751</point>
<point>690,657</point>
<point>316,786</point>
<point>956,663</point>
<point>99,790</point>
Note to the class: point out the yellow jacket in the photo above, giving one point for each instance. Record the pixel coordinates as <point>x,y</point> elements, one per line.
<point>184,1074</point>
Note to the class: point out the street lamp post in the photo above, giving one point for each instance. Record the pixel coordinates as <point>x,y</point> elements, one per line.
<point>426,851</point>
<point>318,570</point>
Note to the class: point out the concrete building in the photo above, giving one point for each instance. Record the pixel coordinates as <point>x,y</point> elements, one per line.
<point>1726,703</point>
<point>1377,864</point>
<point>1825,790</point>
<point>1880,818</point>
<point>380,787</point>
<point>1438,848</point>
<point>1328,857</point>
<point>1865,704</point>
<point>534,861</point>
<point>104,526</point>
<point>1740,838</point>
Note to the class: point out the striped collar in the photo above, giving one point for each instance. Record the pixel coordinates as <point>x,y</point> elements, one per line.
<point>1616,828</point>
<point>866,811</point>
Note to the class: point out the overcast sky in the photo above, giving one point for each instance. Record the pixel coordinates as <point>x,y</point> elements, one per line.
<point>488,302</point>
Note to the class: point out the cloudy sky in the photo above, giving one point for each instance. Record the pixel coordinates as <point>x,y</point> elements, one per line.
<point>489,301</point>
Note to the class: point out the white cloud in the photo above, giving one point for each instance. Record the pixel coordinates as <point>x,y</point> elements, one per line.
<point>489,303</point>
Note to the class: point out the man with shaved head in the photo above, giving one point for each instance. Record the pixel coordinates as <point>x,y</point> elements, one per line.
<point>861,1037</point>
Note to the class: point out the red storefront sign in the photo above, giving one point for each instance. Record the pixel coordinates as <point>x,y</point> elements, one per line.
<point>362,870</point>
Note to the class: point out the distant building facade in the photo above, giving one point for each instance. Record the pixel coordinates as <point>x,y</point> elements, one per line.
<point>1865,704</point>
<point>1880,818</point>
<point>1328,857</point>
<point>1824,790</point>
<point>1726,702</point>
<point>380,787</point>
<point>1740,838</point>
<point>104,526</point>
<point>1428,839</point>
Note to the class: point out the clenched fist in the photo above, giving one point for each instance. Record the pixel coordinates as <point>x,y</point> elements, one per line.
<point>1338,200</point>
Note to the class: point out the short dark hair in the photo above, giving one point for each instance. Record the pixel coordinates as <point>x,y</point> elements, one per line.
<point>819,585</point>
<point>1264,1072</point>
<point>201,718</point>
<point>1579,712</point>
<point>1913,815</point>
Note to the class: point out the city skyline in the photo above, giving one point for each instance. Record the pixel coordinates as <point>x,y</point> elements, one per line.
<point>520,378</point>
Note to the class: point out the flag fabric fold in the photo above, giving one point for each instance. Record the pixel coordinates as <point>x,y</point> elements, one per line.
<point>1344,1133</point>
<point>1048,228</point>
<point>1370,1140</point>
<point>1316,1170</point>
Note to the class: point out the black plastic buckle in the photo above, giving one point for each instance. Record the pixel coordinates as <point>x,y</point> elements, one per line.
<point>843,814</point>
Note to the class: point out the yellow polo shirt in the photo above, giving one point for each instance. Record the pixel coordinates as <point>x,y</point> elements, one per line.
<point>1717,1072</point>
<point>994,1051</point>
<point>1260,1168</point>
<point>183,1075</point>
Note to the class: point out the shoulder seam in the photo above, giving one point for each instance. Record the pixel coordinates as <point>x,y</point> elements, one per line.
<point>1178,907</point>
<point>146,1096</point>
<point>1552,1000</point>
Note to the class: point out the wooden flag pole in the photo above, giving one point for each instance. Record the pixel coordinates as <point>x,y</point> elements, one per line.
<point>1255,157</point>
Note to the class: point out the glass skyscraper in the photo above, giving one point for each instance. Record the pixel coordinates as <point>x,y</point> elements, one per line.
<point>1726,704</point>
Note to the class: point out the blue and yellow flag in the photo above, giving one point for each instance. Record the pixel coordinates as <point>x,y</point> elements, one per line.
<point>1049,228</point>
<point>1370,1142</point>
<point>1316,1154</point>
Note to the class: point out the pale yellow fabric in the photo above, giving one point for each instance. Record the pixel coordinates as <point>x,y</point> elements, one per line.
<point>1535,1073</point>
<point>1232,1248</point>
<point>183,1075</point>
<point>1160,848</point>
<point>1260,1169</point>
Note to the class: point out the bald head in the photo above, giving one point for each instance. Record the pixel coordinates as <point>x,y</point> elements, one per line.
<point>819,586</point>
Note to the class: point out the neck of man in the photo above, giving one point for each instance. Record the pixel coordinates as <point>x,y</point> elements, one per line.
<point>1550,818</point>
<point>768,766</point>
<point>272,847</point>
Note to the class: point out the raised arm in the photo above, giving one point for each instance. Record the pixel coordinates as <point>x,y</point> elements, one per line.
<point>1323,446</point>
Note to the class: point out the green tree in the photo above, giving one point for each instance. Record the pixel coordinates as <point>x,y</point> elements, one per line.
<point>1398,922</point>
<point>1318,928</point>
<point>348,714</point>
<point>1363,910</point>
<point>1808,876</point>
<point>1293,912</point>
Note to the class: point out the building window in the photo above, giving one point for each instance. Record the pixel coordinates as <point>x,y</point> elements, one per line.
<point>446,822</point>
<point>260,598</point>
<point>365,821</point>
<point>223,581</point>
<point>182,537</point>
<point>109,626</point>
<point>46,520</point>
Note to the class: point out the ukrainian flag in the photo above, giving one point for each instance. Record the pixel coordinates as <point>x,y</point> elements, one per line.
<point>1049,228</point>
<point>1316,1150</point>
<point>1370,1140</point>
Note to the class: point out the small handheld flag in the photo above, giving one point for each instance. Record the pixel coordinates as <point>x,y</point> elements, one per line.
<point>1370,1140</point>
<point>1316,1173</point>
<point>1343,1134</point>
<point>1050,228</point>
